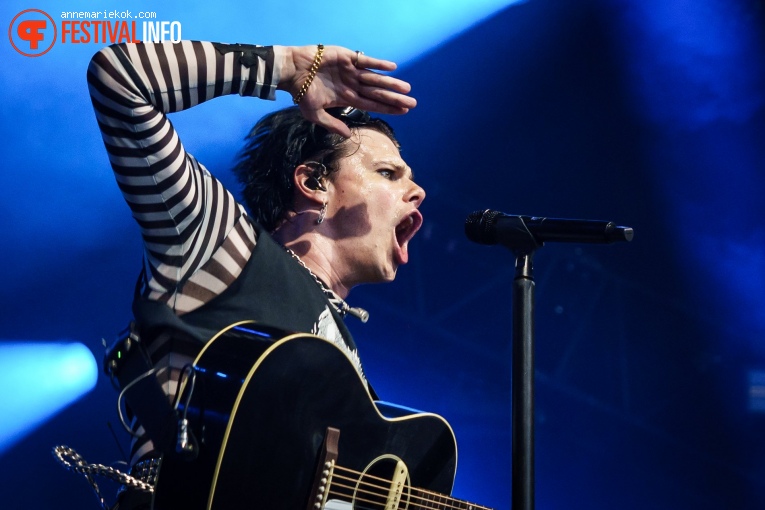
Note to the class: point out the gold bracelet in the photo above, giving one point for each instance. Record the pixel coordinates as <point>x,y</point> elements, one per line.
<point>311,74</point>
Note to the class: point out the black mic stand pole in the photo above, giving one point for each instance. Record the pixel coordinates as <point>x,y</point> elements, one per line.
<point>516,233</point>
<point>522,386</point>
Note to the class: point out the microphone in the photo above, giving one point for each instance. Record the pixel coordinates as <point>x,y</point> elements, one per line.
<point>494,227</point>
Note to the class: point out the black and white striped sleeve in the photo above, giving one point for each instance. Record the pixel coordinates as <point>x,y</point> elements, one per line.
<point>196,235</point>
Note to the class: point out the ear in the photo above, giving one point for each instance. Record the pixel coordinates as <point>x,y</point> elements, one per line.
<point>308,185</point>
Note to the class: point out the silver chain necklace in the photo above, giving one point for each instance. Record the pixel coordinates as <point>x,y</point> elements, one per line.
<point>337,302</point>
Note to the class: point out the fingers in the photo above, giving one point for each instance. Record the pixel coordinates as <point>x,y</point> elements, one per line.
<point>384,82</point>
<point>366,62</point>
<point>383,101</point>
<point>349,75</point>
<point>379,91</point>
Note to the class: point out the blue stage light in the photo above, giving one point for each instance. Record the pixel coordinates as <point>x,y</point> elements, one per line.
<point>37,380</point>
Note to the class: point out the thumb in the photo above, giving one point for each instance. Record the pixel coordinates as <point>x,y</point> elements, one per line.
<point>332,124</point>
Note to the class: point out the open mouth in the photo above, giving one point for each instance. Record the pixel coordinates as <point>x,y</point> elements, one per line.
<point>405,231</point>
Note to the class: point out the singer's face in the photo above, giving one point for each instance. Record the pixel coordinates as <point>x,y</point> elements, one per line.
<point>372,209</point>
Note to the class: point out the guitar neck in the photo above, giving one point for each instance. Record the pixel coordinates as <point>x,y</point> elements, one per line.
<point>426,499</point>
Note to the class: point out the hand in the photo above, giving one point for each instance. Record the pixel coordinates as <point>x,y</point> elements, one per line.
<point>341,83</point>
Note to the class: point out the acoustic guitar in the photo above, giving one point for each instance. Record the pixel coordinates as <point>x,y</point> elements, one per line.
<point>286,422</point>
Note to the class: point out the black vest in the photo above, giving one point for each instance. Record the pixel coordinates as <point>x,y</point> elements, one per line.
<point>273,289</point>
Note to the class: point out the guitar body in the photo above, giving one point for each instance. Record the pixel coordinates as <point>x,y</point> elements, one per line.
<point>261,423</point>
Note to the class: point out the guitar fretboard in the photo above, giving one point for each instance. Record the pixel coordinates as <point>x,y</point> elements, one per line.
<point>426,499</point>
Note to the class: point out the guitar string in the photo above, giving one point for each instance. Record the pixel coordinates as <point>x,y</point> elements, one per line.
<point>406,499</point>
<point>408,502</point>
<point>387,483</point>
<point>413,491</point>
<point>412,496</point>
<point>362,482</point>
<point>362,500</point>
<point>351,493</point>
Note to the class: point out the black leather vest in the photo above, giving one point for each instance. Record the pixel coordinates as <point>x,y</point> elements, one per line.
<point>273,289</point>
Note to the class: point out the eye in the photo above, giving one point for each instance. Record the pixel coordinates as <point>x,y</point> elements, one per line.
<point>387,173</point>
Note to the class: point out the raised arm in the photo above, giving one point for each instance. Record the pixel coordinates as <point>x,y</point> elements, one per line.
<point>187,219</point>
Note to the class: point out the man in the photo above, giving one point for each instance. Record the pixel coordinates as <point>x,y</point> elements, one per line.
<point>333,203</point>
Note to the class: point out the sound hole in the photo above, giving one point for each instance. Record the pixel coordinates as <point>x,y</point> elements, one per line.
<point>384,481</point>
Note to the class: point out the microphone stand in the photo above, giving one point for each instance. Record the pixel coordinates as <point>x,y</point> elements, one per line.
<point>522,380</point>
<point>522,385</point>
<point>518,234</point>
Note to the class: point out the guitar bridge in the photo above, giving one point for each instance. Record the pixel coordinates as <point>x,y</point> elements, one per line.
<point>317,498</point>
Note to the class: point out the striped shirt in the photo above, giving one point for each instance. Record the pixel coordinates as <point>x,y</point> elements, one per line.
<point>196,235</point>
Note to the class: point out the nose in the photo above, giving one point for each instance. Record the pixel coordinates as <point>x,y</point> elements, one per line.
<point>415,194</point>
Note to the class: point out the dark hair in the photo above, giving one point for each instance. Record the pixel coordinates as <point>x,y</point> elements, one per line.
<point>279,143</point>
